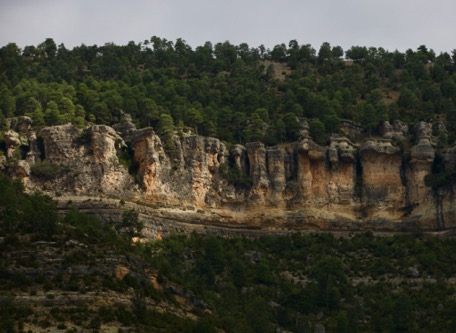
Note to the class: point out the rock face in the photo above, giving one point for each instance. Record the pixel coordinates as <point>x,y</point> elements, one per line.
<point>20,147</point>
<point>383,192</point>
<point>397,131</point>
<point>185,176</point>
<point>87,161</point>
<point>377,184</point>
<point>154,166</point>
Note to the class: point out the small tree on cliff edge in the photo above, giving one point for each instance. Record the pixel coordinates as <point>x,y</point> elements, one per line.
<point>131,224</point>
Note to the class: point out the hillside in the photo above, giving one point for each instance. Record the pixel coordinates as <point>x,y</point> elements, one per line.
<point>71,272</point>
<point>153,187</point>
<point>236,93</point>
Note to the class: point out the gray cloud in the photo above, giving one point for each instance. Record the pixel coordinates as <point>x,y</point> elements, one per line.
<point>392,24</point>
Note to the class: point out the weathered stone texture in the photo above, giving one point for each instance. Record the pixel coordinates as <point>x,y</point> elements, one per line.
<point>299,185</point>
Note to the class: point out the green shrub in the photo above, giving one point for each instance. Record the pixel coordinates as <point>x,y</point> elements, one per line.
<point>84,138</point>
<point>441,176</point>
<point>126,159</point>
<point>45,170</point>
<point>235,176</point>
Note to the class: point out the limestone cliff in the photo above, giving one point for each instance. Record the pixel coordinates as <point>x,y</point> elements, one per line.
<point>85,162</point>
<point>376,184</point>
<point>383,191</point>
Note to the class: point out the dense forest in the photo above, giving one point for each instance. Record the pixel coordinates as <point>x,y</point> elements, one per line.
<point>61,272</point>
<point>234,92</point>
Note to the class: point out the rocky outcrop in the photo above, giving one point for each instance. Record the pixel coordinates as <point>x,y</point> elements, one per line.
<point>375,184</point>
<point>201,159</point>
<point>256,153</point>
<point>104,143</point>
<point>277,174</point>
<point>383,191</point>
<point>21,148</point>
<point>397,131</point>
<point>325,176</point>
<point>419,196</point>
<point>350,129</point>
<point>153,164</point>
<point>87,161</point>
<point>63,143</point>
<point>238,155</point>
<point>126,127</point>
<point>20,137</point>
<point>186,176</point>
<point>12,141</point>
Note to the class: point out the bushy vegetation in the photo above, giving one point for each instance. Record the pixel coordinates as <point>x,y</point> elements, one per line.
<point>442,175</point>
<point>20,213</point>
<point>45,170</point>
<point>237,93</point>
<point>358,283</point>
<point>235,176</point>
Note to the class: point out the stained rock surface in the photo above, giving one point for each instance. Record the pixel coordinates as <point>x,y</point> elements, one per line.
<point>378,183</point>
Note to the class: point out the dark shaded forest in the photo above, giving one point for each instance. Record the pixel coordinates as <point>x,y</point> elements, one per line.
<point>237,93</point>
<point>54,267</point>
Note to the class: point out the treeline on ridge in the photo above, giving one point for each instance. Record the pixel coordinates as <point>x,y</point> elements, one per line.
<point>234,92</point>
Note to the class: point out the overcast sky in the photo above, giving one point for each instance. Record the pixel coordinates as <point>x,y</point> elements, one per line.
<point>392,24</point>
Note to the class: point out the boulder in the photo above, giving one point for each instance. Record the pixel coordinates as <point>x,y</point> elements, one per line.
<point>397,131</point>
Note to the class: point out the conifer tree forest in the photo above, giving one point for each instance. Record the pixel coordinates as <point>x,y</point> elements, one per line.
<point>236,93</point>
